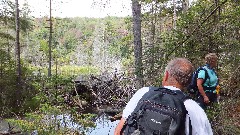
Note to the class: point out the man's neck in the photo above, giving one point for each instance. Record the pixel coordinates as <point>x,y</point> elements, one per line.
<point>172,88</point>
<point>173,85</point>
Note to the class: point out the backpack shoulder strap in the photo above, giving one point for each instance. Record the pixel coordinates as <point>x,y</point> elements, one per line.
<point>206,73</point>
<point>154,88</point>
<point>182,96</point>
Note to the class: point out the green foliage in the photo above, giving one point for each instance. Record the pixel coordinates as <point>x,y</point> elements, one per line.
<point>77,70</point>
<point>6,36</point>
<point>9,89</point>
<point>128,62</point>
<point>7,20</point>
<point>10,104</point>
<point>53,115</point>
<point>224,117</point>
<point>44,46</point>
<point>200,31</point>
<point>7,82</point>
<point>76,43</point>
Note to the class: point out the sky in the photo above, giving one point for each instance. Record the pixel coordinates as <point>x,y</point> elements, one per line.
<point>79,8</point>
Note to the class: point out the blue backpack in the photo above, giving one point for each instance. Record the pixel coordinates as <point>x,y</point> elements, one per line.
<point>192,87</point>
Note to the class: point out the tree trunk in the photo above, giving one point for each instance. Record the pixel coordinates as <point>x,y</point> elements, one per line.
<point>17,53</point>
<point>136,11</point>
<point>50,42</point>
<point>152,43</point>
<point>174,14</point>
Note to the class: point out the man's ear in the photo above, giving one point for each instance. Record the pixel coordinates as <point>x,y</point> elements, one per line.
<point>166,75</point>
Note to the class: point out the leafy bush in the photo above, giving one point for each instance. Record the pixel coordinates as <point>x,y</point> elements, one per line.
<point>224,117</point>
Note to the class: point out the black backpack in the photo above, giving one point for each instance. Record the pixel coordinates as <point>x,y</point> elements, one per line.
<point>192,87</point>
<point>159,112</point>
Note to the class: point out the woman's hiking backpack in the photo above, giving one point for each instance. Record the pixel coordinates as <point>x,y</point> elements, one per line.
<point>160,111</point>
<point>192,87</point>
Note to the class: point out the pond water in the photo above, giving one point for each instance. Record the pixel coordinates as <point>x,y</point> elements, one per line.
<point>103,125</point>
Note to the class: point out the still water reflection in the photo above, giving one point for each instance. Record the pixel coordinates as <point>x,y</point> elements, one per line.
<point>103,126</point>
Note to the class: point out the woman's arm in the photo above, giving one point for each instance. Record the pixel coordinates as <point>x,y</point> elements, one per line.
<point>201,90</point>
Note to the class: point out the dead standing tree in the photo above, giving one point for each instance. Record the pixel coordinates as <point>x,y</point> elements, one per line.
<point>136,12</point>
<point>17,55</point>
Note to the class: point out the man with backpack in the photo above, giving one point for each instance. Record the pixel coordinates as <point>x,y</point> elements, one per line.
<point>165,110</point>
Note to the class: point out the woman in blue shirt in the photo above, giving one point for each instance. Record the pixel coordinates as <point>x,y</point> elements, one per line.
<point>207,88</point>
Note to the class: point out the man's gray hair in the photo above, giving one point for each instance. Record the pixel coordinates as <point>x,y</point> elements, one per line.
<point>181,69</point>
